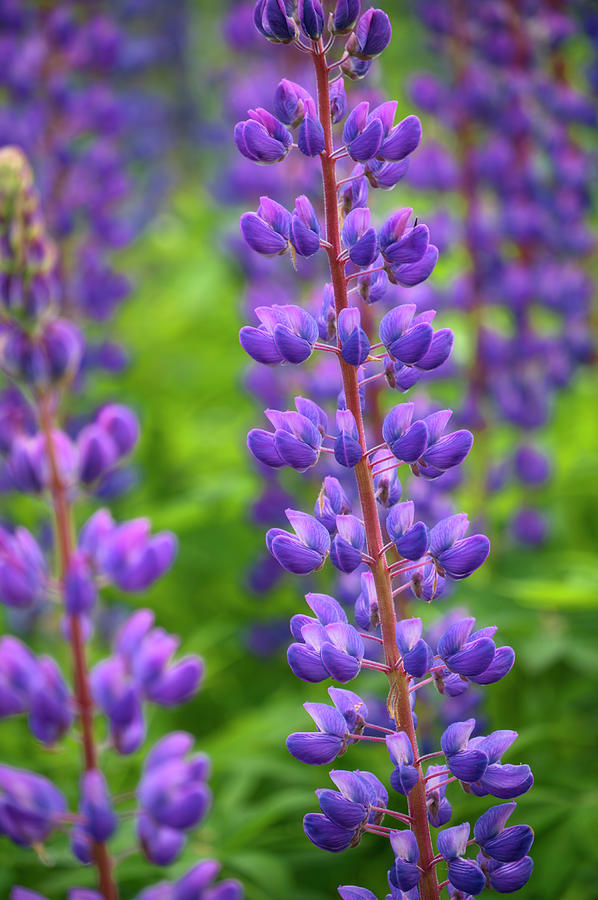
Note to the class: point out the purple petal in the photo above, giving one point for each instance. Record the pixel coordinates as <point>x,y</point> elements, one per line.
<point>511,877</point>
<point>399,748</point>
<point>444,534</point>
<point>500,666</point>
<point>492,822</point>
<point>294,556</point>
<point>414,344</point>
<point>306,664</point>
<point>468,765</point>
<point>452,842</point>
<point>414,543</point>
<point>415,273</point>
<point>464,557</point>
<point>260,236</point>
<point>402,140</point>
<point>409,631</point>
<point>473,659</point>
<point>440,350</point>
<point>261,445</point>
<point>466,875</point>
<point>511,844</point>
<point>366,145</point>
<point>325,834</point>
<point>259,345</point>
<point>314,748</point>
<point>326,608</point>
<point>450,450</point>
<point>456,736</point>
<point>340,810</point>
<point>412,444</point>
<point>339,664</point>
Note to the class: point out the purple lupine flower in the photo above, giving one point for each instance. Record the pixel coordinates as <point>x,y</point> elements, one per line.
<point>263,138</point>
<point>406,440</point>
<point>267,231</point>
<point>360,237</point>
<point>372,35</point>
<point>346,811</point>
<point>500,843</point>
<point>346,13</point>
<point>439,808</point>
<point>332,502</point>
<point>409,537</point>
<point>416,654</point>
<point>30,806</point>
<point>285,334</point>
<point>23,571</point>
<point>347,544</point>
<point>405,775</point>
<point>405,873</point>
<point>454,555</point>
<point>302,552</point>
<point>347,447</point>
<point>305,228</point>
<point>464,874</point>
<point>362,136</point>
<point>355,346</point>
<point>99,819</point>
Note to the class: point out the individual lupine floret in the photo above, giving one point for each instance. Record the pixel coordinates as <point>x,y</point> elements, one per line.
<point>416,654</point>
<point>98,819</point>
<point>371,36</point>
<point>504,781</point>
<point>467,764</point>
<point>406,340</point>
<point>310,137</point>
<point>263,138</point>
<point>464,652</point>
<point>400,244</point>
<point>405,873</point>
<point>29,465</point>
<point>347,811</point>
<point>504,845</point>
<point>404,776</point>
<point>409,537</point>
<point>285,334</point>
<point>406,440</point>
<point>366,605</point>
<point>23,570</point>
<point>305,228</point>
<point>290,100</point>
<point>173,796</point>
<point>362,134</point>
<point>360,237</point>
<point>103,444</point>
<point>311,18</point>
<point>273,19</point>
<point>464,874</point>
<point>454,555</point>
<point>506,878</point>
<point>347,447</point>
<point>385,175</point>
<point>338,101</point>
<point>439,808</point>
<point>296,442</point>
<point>329,647</point>
<point>337,727</point>
<point>31,807</point>
<point>355,346</point>
<point>268,230</point>
<point>443,451</point>
<point>36,686</point>
<point>128,555</point>
<point>303,552</point>
<point>332,502</point>
<point>346,13</point>
<point>346,551</point>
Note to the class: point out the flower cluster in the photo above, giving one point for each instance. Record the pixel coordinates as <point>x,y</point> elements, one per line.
<point>41,349</point>
<point>361,520</point>
<point>513,147</point>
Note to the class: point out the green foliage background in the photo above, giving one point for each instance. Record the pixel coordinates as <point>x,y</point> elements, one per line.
<point>186,382</point>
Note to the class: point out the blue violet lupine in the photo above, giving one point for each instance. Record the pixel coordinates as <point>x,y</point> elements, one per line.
<point>419,557</point>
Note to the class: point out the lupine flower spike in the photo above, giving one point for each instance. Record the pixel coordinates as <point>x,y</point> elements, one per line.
<point>361,519</point>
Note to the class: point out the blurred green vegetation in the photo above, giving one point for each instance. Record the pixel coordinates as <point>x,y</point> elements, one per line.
<point>185,380</point>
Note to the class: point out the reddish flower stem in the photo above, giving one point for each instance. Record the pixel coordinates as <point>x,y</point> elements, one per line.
<point>63,527</point>
<point>398,699</point>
